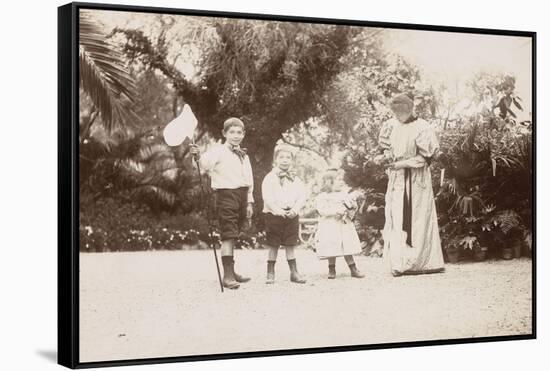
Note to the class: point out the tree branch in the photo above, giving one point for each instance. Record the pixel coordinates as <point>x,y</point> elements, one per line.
<point>139,45</point>
<point>300,146</point>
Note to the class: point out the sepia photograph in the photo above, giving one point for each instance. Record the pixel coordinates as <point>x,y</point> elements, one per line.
<point>252,185</point>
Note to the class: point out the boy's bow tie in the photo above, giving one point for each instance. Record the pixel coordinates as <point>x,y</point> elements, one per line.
<point>285,174</point>
<point>241,152</point>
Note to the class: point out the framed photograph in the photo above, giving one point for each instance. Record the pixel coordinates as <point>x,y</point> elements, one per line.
<point>243,185</point>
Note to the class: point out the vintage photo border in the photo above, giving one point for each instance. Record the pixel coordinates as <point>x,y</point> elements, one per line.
<point>68,184</point>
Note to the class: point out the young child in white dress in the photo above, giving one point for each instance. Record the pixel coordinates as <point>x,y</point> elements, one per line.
<point>336,234</point>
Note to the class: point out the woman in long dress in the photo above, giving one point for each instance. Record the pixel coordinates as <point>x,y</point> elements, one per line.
<point>411,234</point>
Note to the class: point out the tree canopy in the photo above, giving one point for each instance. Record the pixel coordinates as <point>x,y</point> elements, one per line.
<point>270,74</point>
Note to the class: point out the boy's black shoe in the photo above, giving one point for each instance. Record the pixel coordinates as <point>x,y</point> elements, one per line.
<point>238,277</point>
<point>356,273</point>
<point>228,275</point>
<point>229,284</point>
<point>294,275</point>
<point>241,279</point>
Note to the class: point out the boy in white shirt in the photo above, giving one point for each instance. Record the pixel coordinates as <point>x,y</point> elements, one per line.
<point>231,177</point>
<point>284,195</point>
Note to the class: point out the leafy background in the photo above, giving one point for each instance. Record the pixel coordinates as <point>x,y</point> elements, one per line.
<point>321,88</point>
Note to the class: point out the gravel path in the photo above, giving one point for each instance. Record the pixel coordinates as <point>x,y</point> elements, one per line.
<point>161,304</point>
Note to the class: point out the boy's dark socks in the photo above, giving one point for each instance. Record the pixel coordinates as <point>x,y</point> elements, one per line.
<point>270,272</point>
<point>331,271</point>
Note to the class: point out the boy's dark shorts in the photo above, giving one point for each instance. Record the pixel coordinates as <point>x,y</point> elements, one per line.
<point>231,209</point>
<point>280,231</point>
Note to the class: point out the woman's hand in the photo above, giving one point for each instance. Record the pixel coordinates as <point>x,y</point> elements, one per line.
<point>383,158</point>
<point>398,165</point>
<point>290,214</point>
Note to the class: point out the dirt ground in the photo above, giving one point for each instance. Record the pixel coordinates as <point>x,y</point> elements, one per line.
<point>161,304</point>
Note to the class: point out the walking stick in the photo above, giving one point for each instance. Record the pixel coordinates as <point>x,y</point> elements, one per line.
<point>174,134</point>
<point>210,237</point>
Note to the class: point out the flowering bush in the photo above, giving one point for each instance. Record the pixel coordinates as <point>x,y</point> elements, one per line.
<point>99,240</point>
<point>116,225</point>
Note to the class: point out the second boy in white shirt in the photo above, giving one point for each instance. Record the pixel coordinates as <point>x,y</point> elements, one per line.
<point>284,195</point>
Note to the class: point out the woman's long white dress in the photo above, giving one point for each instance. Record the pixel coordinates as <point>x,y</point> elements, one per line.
<point>417,143</point>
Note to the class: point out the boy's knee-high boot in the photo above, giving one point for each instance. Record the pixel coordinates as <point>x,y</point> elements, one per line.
<point>270,272</point>
<point>238,277</point>
<point>228,276</point>
<point>294,275</point>
<point>356,273</point>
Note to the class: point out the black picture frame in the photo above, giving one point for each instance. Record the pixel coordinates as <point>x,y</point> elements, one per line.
<point>68,181</point>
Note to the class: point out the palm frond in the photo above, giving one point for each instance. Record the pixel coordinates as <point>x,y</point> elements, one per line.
<point>147,153</point>
<point>164,196</point>
<point>131,166</point>
<point>103,75</point>
<point>506,220</point>
<point>468,242</point>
